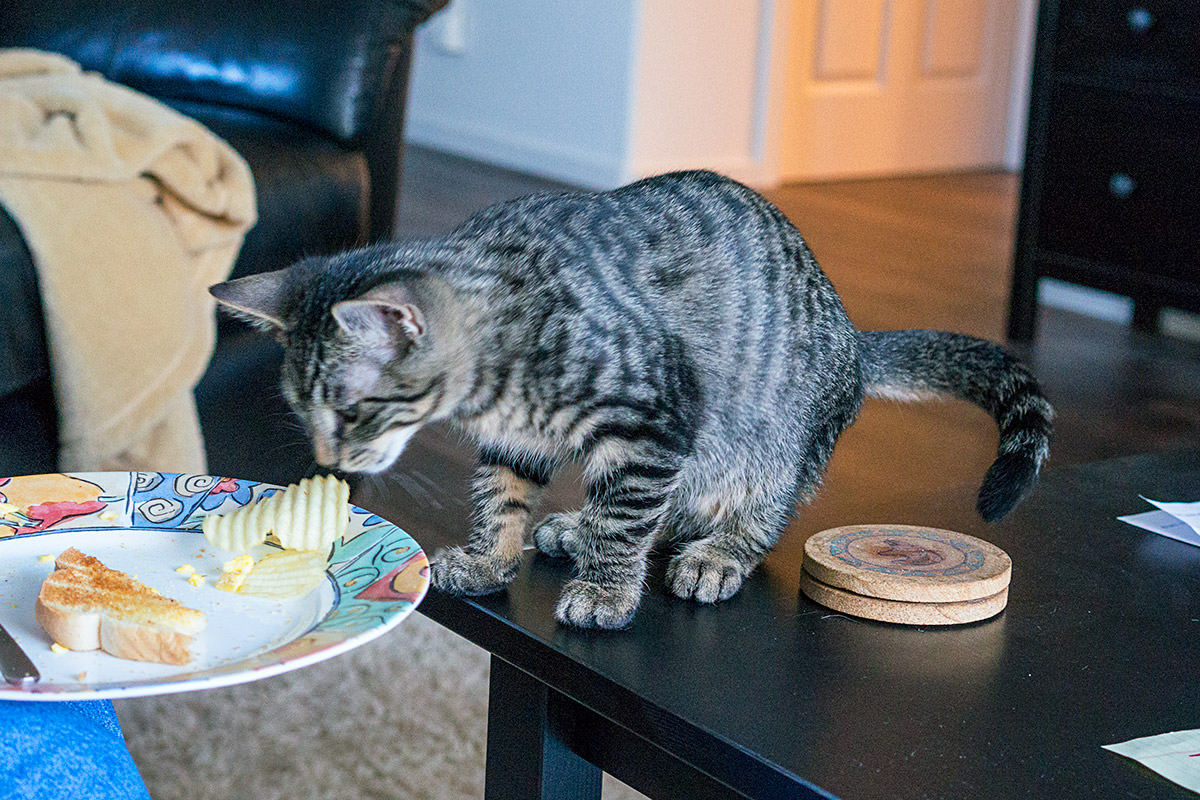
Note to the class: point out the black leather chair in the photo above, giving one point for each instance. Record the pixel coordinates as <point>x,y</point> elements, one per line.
<point>312,94</point>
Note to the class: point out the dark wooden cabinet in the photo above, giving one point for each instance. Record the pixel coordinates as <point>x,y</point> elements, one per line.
<point>1110,194</point>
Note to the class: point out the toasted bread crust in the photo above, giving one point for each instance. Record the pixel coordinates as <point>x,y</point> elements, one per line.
<point>144,642</point>
<point>84,605</point>
<point>73,629</point>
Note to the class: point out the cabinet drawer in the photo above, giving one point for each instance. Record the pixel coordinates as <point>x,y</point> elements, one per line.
<point>1153,42</point>
<point>1122,182</point>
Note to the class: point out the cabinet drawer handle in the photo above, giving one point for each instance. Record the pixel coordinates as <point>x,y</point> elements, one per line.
<point>1140,20</point>
<point>1121,185</point>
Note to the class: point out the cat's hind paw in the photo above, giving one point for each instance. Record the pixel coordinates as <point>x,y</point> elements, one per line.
<point>558,535</point>
<point>589,605</point>
<point>458,572</point>
<point>705,574</point>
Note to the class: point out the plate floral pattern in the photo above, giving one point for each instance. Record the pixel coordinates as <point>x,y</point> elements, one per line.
<point>377,573</point>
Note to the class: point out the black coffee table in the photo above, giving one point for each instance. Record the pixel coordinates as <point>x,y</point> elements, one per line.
<point>772,696</point>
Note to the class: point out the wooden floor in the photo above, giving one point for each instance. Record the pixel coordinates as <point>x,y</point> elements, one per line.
<point>931,252</point>
<point>936,252</point>
<point>912,252</point>
<point>928,252</point>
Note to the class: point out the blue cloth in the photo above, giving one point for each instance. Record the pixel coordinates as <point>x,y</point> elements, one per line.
<point>65,749</point>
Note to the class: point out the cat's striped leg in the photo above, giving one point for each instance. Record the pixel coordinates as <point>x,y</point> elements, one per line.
<point>504,494</point>
<point>628,485</point>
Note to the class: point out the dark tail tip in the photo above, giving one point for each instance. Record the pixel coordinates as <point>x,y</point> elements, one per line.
<point>1008,480</point>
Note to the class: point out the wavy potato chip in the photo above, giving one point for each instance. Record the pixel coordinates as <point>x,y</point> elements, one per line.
<point>309,515</point>
<point>240,529</point>
<point>287,573</point>
<point>305,518</point>
<point>313,514</point>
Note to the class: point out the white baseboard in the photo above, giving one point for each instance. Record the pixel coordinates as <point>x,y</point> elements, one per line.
<point>1085,300</point>
<point>536,157</point>
<point>1112,307</point>
<point>1180,324</point>
<point>550,160</point>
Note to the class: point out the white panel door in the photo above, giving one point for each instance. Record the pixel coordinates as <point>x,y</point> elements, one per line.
<point>896,86</point>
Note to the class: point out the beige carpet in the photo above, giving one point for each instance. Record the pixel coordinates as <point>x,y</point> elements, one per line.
<point>402,718</point>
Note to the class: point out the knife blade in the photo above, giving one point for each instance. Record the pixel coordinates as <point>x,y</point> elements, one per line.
<point>14,664</point>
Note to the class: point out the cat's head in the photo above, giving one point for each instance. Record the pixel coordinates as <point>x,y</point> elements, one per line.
<point>362,367</point>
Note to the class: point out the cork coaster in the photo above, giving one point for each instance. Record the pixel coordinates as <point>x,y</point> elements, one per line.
<point>898,611</point>
<point>907,563</point>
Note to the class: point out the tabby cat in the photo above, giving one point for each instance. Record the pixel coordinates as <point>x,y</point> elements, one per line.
<point>675,334</point>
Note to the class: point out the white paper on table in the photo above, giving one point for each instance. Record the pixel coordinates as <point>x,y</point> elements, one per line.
<point>1175,756</point>
<point>1180,521</point>
<point>1187,512</point>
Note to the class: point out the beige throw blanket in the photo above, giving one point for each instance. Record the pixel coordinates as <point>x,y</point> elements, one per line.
<point>131,211</point>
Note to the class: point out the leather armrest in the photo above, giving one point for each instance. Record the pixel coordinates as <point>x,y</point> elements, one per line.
<point>329,65</point>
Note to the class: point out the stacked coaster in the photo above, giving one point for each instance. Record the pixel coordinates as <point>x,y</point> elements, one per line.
<point>906,574</point>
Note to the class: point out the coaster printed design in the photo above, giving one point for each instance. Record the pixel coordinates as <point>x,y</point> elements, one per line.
<point>918,553</point>
<point>907,563</point>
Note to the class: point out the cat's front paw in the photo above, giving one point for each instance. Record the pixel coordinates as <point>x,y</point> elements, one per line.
<point>458,572</point>
<point>589,605</point>
<point>705,574</point>
<point>558,535</point>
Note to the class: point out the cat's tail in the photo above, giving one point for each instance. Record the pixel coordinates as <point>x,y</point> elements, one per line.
<point>917,364</point>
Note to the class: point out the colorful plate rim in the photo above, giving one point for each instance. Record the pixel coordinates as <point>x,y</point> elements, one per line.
<point>365,569</point>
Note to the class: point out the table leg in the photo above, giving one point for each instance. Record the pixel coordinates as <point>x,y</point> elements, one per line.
<point>527,755</point>
<point>1146,316</point>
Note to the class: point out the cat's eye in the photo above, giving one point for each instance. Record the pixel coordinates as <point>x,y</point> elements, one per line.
<point>347,416</point>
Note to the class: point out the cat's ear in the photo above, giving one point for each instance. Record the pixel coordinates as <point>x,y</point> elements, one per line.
<point>381,314</point>
<point>257,299</point>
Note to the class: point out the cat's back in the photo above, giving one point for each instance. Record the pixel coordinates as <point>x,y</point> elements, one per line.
<point>669,238</point>
<point>690,255</point>
<point>696,210</point>
<point>724,269</point>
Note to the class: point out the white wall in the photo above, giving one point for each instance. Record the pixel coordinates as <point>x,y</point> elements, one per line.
<point>600,92</point>
<point>699,88</point>
<point>538,86</point>
<point>595,92</point>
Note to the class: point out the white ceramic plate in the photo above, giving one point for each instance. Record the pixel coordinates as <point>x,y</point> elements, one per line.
<point>148,523</point>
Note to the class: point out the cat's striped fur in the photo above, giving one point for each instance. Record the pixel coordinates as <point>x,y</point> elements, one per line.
<point>676,334</point>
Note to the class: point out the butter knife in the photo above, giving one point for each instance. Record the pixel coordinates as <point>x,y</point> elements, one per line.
<point>15,665</point>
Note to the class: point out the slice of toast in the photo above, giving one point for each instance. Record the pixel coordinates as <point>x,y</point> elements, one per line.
<point>84,605</point>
